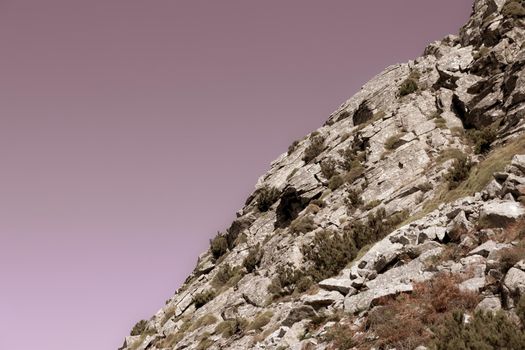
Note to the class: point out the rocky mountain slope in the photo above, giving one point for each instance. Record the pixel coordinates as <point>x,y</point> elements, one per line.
<point>397,224</point>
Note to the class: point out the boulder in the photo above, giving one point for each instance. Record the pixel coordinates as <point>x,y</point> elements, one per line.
<point>515,281</point>
<point>342,285</point>
<point>364,300</point>
<point>501,213</point>
<point>322,298</point>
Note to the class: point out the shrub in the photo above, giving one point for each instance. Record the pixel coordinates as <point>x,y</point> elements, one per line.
<point>203,321</point>
<point>335,182</point>
<point>425,186</point>
<point>482,139</point>
<point>341,337</point>
<point>252,261</point>
<point>315,148</point>
<point>328,168</point>
<point>230,327</point>
<point>225,273</point>
<point>511,256</point>
<point>285,281</point>
<point>483,331</point>
<point>355,173</point>
<point>267,196</point>
<point>393,142</point>
<point>459,172</point>
<point>405,321</point>
<point>218,246</point>
<point>260,320</point>
<point>354,199</point>
<point>440,122</point>
<point>293,147</point>
<point>302,224</point>
<point>201,299</point>
<point>329,253</point>
<point>139,327</point>
<point>372,204</point>
<point>408,86</point>
<point>513,8</point>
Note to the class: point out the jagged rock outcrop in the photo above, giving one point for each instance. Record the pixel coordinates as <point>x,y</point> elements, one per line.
<point>419,175</point>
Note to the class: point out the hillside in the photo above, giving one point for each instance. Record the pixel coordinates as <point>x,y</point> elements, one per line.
<point>397,224</point>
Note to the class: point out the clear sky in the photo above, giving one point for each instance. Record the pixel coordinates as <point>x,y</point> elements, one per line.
<point>132,130</point>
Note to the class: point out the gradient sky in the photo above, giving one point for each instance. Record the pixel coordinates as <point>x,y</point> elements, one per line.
<point>132,130</point>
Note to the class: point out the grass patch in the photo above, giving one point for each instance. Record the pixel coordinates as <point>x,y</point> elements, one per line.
<point>260,321</point>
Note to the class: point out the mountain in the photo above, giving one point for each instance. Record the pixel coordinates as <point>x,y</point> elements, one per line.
<point>397,224</point>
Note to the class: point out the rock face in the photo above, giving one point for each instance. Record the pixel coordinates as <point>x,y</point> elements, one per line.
<point>418,175</point>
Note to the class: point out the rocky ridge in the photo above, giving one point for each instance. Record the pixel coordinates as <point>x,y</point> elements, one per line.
<point>416,181</point>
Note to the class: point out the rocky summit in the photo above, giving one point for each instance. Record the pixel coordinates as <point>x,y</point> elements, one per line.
<point>399,224</point>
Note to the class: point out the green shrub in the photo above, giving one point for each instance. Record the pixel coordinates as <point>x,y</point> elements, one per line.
<point>302,224</point>
<point>218,246</point>
<point>372,204</point>
<point>260,320</point>
<point>267,196</point>
<point>335,182</point>
<point>230,327</point>
<point>225,273</point>
<point>482,139</point>
<point>393,142</point>
<point>203,321</point>
<point>252,261</point>
<point>440,122</point>
<point>285,281</point>
<point>513,8</point>
<point>408,86</point>
<point>341,337</point>
<point>139,327</point>
<point>329,253</point>
<point>293,147</point>
<point>201,299</point>
<point>483,331</point>
<point>355,173</point>
<point>459,172</point>
<point>328,168</point>
<point>354,199</point>
<point>315,148</point>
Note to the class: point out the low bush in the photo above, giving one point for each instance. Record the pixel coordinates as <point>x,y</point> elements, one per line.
<point>252,261</point>
<point>285,282</point>
<point>354,200</point>
<point>514,8</point>
<point>328,168</point>
<point>315,148</point>
<point>260,321</point>
<point>201,299</point>
<point>203,321</point>
<point>340,336</point>
<point>408,86</point>
<point>406,321</point>
<point>218,246</point>
<point>139,327</point>
<point>372,204</point>
<point>482,331</point>
<point>293,147</point>
<point>393,142</point>
<point>335,182</point>
<point>302,224</point>
<point>329,253</point>
<point>226,275</point>
<point>230,327</point>
<point>482,139</point>
<point>267,196</point>
<point>459,172</point>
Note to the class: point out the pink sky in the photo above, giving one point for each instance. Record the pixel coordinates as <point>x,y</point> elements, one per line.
<point>131,131</point>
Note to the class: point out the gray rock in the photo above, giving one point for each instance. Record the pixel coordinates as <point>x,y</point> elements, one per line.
<point>501,213</point>
<point>364,300</point>
<point>486,248</point>
<point>342,285</point>
<point>322,298</point>
<point>489,304</point>
<point>515,281</point>
<point>519,162</point>
<point>473,285</point>
<point>298,314</point>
